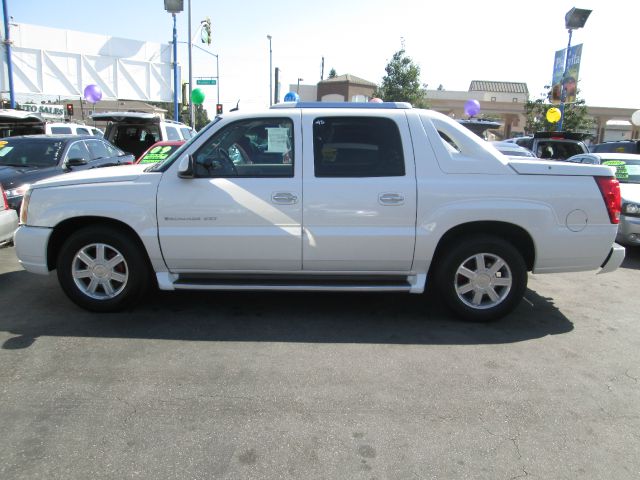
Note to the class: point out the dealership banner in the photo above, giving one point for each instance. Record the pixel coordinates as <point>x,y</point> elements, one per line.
<point>570,76</point>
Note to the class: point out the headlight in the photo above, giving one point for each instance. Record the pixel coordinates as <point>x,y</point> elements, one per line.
<point>631,209</point>
<point>24,209</point>
<point>18,191</point>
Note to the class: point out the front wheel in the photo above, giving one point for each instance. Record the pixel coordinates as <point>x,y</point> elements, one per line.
<point>482,278</point>
<point>101,269</point>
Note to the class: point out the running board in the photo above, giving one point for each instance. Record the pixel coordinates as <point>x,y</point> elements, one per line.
<point>334,283</point>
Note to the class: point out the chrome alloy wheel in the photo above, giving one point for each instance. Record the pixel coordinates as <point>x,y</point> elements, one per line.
<point>100,271</point>
<point>483,281</point>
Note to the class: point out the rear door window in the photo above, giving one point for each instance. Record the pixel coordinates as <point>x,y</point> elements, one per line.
<point>61,130</point>
<point>357,147</point>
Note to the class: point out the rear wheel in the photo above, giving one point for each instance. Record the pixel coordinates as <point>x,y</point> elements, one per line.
<point>102,269</point>
<point>482,278</point>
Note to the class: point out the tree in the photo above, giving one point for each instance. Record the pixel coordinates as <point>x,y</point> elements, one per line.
<point>402,82</point>
<point>332,73</point>
<point>575,119</point>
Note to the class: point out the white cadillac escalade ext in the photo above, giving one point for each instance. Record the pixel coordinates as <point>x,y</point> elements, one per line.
<point>318,197</point>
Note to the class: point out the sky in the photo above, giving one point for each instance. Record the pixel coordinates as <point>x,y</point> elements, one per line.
<point>452,42</point>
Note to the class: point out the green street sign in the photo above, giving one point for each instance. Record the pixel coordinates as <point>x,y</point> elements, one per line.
<point>206,81</point>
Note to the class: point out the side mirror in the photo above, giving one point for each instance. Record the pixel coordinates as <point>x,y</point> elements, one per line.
<point>185,169</point>
<point>75,162</point>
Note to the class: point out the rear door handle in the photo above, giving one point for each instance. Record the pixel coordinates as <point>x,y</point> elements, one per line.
<point>284,198</point>
<point>391,199</point>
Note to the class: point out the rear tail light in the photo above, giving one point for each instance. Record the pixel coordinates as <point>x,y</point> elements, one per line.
<point>610,190</point>
<point>4,199</point>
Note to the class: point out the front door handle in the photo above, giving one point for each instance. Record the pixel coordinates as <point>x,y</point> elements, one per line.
<point>284,198</point>
<point>391,199</point>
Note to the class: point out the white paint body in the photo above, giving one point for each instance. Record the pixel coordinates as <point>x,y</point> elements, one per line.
<point>334,226</point>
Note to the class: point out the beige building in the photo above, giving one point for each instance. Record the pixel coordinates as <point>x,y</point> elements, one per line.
<point>343,88</point>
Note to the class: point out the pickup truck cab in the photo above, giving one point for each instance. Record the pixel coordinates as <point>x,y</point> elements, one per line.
<point>317,197</point>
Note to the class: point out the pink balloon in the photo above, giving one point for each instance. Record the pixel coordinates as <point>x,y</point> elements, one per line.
<point>375,100</point>
<point>92,93</point>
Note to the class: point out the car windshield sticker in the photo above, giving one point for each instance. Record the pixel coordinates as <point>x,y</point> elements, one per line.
<point>4,149</point>
<point>277,140</point>
<point>621,168</point>
<point>157,154</point>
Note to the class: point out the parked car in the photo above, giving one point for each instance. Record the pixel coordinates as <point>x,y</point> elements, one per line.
<point>18,122</point>
<point>72,129</point>
<point>135,132</point>
<point>628,174</point>
<point>479,126</point>
<point>159,151</point>
<point>552,145</point>
<point>8,219</point>
<point>512,149</point>
<point>27,159</point>
<point>621,146</point>
<point>339,196</point>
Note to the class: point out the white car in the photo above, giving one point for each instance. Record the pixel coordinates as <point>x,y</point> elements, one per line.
<point>72,129</point>
<point>8,219</point>
<point>323,196</point>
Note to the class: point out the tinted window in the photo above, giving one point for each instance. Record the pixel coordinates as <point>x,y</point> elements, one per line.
<point>357,147</point>
<point>82,131</point>
<point>617,147</point>
<point>61,130</point>
<point>98,149</point>
<point>172,133</point>
<point>525,142</point>
<point>78,150</point>
<point>261,147</point>
<point>186,133</point>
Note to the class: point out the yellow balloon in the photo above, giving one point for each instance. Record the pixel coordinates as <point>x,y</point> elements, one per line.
<point>553,114</point>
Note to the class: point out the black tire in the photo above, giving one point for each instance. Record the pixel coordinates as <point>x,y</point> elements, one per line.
<point>116,278</point>
<point>471,288</point>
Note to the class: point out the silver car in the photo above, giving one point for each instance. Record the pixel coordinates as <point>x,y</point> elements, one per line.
<point>628,174</point>
<point>8,219</point>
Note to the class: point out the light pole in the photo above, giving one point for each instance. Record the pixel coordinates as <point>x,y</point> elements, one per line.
<point>7,45</point>
<point>298,88</point>
<point>192,119</point>
<point>574,19</point>
<point>270,69</point>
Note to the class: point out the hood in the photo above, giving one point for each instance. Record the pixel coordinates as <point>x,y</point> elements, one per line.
<point>12,177</point>
<point>121,173</point>
<point>630,192</point>
<point>554,167</point>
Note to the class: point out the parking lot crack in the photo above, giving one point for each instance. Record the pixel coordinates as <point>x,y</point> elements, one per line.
<point>627,374</point>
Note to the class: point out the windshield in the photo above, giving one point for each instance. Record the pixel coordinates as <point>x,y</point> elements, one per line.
<point>627,171</point>
<point>25,152</point>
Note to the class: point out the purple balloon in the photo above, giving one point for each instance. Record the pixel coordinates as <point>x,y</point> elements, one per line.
<point>472,107</point>
<point>92,93</point>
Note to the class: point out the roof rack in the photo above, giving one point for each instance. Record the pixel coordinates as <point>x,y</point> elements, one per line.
<point>353,105</point>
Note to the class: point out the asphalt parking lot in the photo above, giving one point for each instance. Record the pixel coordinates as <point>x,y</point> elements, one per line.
<point>305,386</point>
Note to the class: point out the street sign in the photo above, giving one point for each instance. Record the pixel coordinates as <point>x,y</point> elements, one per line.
<point>206,81</point>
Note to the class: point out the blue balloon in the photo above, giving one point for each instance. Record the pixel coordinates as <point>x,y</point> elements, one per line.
<point>291,97</point>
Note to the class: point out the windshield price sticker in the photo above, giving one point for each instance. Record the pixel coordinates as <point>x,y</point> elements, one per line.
<point>621,168</point>
<point>277,140</point>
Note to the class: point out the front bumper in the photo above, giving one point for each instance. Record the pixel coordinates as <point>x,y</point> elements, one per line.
<point>614,260</point>
<point>31,248</point>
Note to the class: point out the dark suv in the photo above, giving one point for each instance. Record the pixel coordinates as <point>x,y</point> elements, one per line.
<point>622,146</point>
<point>553,145</point>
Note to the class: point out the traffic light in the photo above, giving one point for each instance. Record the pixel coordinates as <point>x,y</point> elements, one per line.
<point>69,109</point>
<point>218,109</point>
<point>205,33</point>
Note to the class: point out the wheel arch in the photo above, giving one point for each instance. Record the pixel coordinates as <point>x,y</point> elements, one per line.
<point>514,234</point>
<point>64,229</point>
